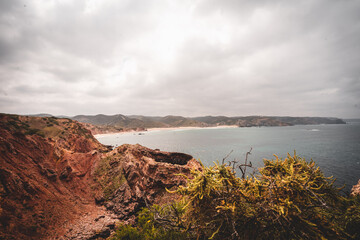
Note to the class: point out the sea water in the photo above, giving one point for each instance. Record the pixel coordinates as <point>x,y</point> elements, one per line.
<point>334,148</point>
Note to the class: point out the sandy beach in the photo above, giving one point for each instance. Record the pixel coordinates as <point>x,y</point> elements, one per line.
<point>190,128</point>
<point>165,129</point>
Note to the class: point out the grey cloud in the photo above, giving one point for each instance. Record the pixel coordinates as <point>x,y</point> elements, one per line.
<point>28,90</point>
<point>186,58</point>
<point>67,74</point>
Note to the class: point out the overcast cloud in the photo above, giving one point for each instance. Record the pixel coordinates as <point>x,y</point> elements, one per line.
<point>188,57</point>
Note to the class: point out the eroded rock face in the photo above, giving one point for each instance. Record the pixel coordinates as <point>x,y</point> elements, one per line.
<point>49,180</point>
<point>148,173</point>
<point>356,189</point>
<point>44,182</point>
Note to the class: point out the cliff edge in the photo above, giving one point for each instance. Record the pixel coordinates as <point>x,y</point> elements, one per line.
<point>58,182</point>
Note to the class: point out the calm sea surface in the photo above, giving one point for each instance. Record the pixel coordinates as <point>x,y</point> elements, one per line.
<point>335,148</point>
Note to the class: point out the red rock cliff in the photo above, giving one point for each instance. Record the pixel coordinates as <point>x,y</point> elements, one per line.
<point>57,180</point>
<point>45,168</point>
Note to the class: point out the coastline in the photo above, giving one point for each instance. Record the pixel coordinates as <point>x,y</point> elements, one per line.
<point>164,129</point>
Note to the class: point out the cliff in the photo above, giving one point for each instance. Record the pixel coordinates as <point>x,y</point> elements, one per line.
<point>57,180</point>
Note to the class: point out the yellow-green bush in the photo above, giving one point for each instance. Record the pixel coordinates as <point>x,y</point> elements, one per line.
<point>288,199</point>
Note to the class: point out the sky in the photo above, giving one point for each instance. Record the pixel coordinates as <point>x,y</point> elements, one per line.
<point>188,57</point>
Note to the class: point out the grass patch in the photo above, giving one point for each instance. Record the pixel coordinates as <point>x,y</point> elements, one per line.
<point>108,177</point>
<point>51,131</point>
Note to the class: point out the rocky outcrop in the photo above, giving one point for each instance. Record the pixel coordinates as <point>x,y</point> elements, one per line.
<point>356,189</point>
<point>147,174</point>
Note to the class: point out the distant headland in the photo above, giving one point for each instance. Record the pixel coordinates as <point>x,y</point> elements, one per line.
<point>100,123</point>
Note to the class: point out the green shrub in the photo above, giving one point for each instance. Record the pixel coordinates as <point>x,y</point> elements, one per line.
<point>149,227</point>
<point>351,218</point>
<point>127,232</point>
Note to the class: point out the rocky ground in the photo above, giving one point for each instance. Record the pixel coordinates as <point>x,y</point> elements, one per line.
<point>95,224</point>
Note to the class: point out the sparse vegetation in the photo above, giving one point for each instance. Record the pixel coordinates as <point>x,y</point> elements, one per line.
<point>44,127</point>
<point>53,120</point>
<point>32,131</point>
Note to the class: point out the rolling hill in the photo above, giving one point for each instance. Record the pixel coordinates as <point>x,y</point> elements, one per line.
<point>122,122</point>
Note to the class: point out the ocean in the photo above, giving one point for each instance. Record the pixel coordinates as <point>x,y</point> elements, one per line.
<point>334,148</point>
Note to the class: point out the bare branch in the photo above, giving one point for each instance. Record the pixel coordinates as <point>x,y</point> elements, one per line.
<point>226,156</point>
<point>246,159</point>
<point>242,171</point>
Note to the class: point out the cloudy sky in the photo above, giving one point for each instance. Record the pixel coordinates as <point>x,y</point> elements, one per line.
<point>188,57</point>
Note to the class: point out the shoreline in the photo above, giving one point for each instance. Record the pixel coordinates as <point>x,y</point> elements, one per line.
<point>164,129</point>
